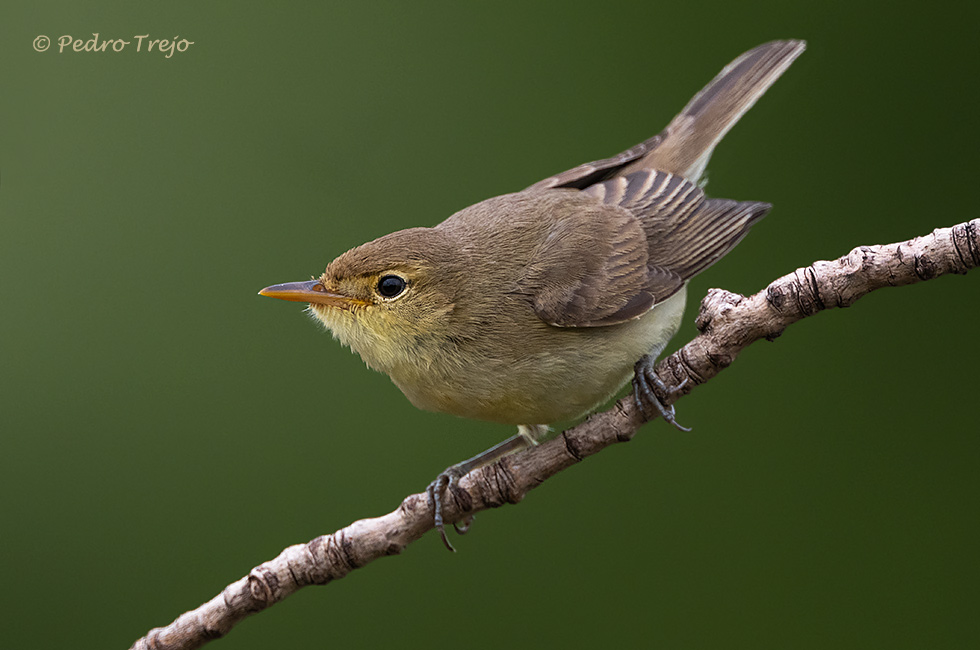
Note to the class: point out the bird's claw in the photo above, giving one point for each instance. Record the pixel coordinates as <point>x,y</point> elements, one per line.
<point>645,380</point>
<point>446,481</point>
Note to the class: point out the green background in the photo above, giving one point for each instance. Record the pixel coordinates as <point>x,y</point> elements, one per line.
<point>163,429</point>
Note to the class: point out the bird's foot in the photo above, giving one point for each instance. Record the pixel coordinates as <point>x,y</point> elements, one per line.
<point>447,483</point>
<point>646,385</point>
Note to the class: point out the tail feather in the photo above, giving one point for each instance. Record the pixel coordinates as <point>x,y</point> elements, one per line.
<point>685,146</point>
<point>690,138</point>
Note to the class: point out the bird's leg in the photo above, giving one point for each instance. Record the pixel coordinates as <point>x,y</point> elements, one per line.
<point>527,436</point>
<point>645,380</point>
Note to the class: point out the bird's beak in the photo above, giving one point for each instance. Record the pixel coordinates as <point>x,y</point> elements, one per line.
<point>312,292</point>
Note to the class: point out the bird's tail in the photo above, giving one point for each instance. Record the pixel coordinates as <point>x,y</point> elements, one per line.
<point>688,141</point>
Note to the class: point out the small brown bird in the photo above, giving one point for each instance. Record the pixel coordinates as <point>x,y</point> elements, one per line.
<point>533,308</point>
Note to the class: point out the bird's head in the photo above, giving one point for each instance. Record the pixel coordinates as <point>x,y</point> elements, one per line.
<point>390,300</point>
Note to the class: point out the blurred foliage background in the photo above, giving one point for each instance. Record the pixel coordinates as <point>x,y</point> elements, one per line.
<point>163,429</point>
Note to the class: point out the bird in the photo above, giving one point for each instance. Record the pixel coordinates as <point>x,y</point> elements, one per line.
<point>535,307</point>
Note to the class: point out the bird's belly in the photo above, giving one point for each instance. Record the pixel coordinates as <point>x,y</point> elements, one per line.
<point>555,377</point>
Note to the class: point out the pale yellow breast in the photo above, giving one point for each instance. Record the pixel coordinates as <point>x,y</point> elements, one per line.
<point>553,374</point>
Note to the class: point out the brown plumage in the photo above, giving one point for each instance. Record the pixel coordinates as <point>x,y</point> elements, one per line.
<point>533,307</point>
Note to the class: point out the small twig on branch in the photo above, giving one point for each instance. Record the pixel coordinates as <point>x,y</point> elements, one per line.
<point>728,323</point>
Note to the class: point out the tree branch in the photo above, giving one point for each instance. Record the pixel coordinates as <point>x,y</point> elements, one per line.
<point>728,323</point>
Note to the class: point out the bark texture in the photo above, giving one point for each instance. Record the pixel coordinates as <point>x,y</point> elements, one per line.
<point>727,323</point>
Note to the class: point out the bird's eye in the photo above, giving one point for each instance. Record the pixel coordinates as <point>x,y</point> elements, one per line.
<point>390,286</point>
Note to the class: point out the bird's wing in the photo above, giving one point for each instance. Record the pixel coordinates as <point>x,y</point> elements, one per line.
<point>660,231</point>
<point>686,231</point>
<point>593,172</point>
<point>590,270</point>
